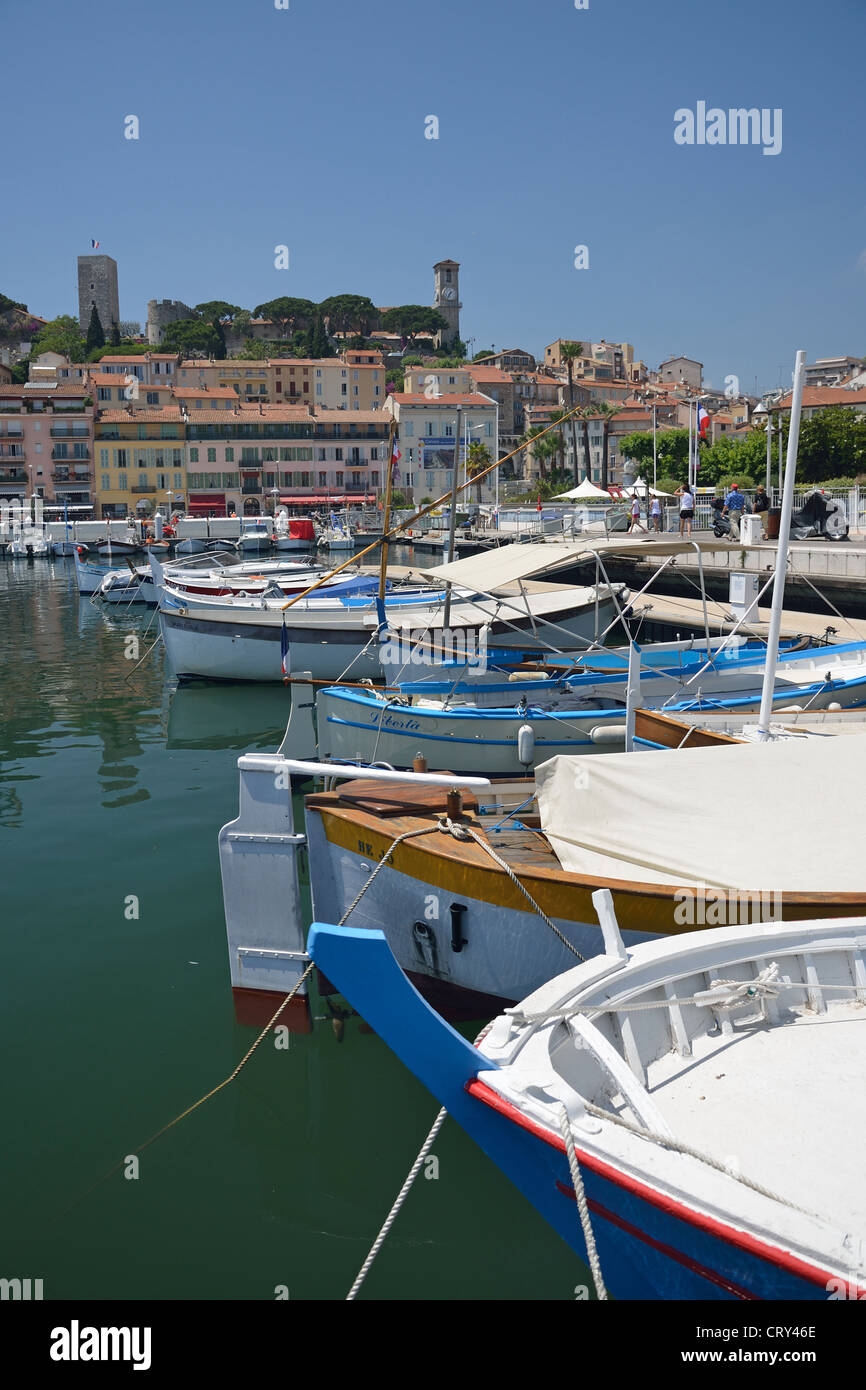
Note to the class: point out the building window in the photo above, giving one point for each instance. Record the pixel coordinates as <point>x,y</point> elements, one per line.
<point>153,396</point>
<point>323,480</point>
<point>374,454</point>
<point>103,393</point>
<point>106,482</point>
<point>374,479</point>
<point>230,455</point>
<point>193,455</point>
<point>338,455</point>
<point>338,478</point>
<point>121,458</point>
<point>211,455</point>
<point>178,481</point>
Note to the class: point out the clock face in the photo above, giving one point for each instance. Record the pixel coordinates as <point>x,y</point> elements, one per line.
<point>448,293</point>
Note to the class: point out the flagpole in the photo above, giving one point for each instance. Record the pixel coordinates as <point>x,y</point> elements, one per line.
<point>386,520</point>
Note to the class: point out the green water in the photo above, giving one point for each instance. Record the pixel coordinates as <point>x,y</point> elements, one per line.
<point>114,784</point>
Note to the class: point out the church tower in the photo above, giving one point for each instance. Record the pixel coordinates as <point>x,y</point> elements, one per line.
<point>446,298</point>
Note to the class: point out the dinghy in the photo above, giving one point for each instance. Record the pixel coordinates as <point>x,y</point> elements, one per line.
<point>685,1114</point>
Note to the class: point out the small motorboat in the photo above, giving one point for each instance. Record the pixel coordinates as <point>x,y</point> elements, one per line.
<point>338,535</point>
<point>293,532</point>
<point>256,535</point>
<point>30,541</point>
<point>685,1114</point>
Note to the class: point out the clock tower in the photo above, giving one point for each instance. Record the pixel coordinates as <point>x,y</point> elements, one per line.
<point>446,298</point>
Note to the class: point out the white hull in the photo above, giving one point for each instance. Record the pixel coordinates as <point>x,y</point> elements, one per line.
<point>218,640</point>
<point>290,543</point>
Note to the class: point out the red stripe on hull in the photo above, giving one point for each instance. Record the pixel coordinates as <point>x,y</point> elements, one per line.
<point>743,1240</point>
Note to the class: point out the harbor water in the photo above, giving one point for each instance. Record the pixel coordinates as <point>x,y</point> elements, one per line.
<point>117,1016</point>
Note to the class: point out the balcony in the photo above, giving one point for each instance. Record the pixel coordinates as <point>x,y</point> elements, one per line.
<point>66,477</point>
<point>16,477</point>
<point>67,432</point>
<point>251,488</point>
<point>60,455</point>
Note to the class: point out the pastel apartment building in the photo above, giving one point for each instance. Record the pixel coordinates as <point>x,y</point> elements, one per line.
<point>427,435</point>
<point>46,442</point>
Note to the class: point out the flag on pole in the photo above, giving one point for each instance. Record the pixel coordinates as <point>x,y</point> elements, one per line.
<point>94,244</point>
<point>703,422</point>
<point>396,455</point>
<point>284,649</point>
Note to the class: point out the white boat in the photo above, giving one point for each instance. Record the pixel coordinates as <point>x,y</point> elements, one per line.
<point>293,532</point>
<point>338,534</point>
<point>113,547</point>
<point>686,1114</point>
<point>256,536</point>
<point>30,541</point>
<point>502,723</point>
<point>330,636</point>
<point>486,901</point>
<point>128,587</point>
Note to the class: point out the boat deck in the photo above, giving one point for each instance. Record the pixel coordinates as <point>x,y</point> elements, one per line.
<point>743,1094</point>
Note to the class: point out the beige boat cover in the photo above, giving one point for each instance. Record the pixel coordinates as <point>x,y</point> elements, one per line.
<point>513,562</point>
<point>772,817</point>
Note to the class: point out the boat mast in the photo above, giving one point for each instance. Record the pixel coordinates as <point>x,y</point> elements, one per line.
<point>782,552</point>
<point>452,519</point>
<point>386,520</point>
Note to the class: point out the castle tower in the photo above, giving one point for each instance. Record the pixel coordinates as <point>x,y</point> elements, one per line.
<point>97,284</point>
<point>446,298</point>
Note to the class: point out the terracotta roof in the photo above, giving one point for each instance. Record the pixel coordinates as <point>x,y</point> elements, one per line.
<point>481,373</point>
<point>216,393</point>
<point>446,399</point>
<point>169,414</point>
<point>367,417</point>
<point>825,395</point>
<point>139,357</point>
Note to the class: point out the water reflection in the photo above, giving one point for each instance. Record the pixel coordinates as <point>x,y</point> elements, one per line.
<point>66,681</point>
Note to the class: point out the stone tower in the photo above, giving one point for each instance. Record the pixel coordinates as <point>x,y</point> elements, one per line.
<point>97,284</point>
<point>446,298</point>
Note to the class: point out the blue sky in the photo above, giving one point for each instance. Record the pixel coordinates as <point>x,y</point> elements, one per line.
<point>305,127</point>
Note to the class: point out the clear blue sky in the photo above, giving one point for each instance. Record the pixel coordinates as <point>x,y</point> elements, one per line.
<point>306,127</point>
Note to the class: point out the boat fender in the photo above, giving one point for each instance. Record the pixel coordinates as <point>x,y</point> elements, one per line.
<point>525,745</point>
<point>834,707</point>
<point>608,733</point>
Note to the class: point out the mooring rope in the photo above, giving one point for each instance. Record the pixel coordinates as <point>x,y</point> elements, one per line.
<point>583,1209</point>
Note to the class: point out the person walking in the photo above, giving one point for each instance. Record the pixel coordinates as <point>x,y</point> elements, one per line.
<point>656,514</point>
<point>687,508</point>
<point>634,524</point>
<point>734,504</point>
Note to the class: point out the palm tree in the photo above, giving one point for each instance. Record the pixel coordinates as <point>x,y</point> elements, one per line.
<point>478,460</point>
<point>567,353</point>
<point>584,415</point>
<point>605,410</point>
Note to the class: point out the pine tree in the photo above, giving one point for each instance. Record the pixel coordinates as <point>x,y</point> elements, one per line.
<point>95,335</point>
<point>115,333</point>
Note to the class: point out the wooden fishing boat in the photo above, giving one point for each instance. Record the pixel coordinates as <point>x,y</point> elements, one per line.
<point>684,1114</point>
<point>716,729</point>
<point>482,906</point>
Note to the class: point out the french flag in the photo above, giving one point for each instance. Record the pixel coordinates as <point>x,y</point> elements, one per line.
<point>94,244</point>
<point>284,650</point>
<point>703,422</point>
<point>396,455</point>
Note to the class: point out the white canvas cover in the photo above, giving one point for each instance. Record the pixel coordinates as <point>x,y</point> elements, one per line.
<point>773,817</point>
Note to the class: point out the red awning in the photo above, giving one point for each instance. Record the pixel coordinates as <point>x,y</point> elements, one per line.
<point>214,502</point>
